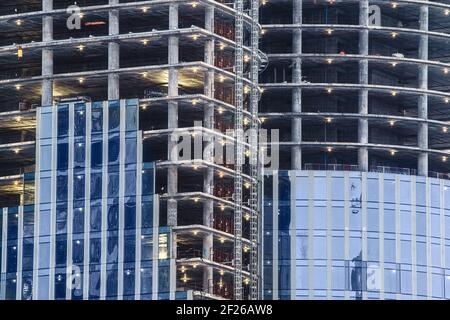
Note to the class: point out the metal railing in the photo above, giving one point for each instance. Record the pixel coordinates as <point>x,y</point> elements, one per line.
<point>379,169</point>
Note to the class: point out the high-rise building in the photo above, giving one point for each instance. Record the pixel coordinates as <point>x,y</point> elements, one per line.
<point>130,166</point>
<point>359,206</point>
<point>111,113</point>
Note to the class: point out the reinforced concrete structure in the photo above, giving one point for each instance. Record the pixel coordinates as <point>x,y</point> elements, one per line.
<point>360,93</point>
<point>99,200</point>
<point>126,171</point>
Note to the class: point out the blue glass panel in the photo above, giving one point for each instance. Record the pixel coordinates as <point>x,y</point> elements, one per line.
<point>113,149</point>
<point>63,120</point>
<point>114,116</point>
<point>80,120</point>
<point>97,119</point>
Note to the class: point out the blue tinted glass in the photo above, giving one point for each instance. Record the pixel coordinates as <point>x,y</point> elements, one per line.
<point>78,220</point>
<point>97,120</point>
<point>96,153</point>
<point>130,215</point>
<point>63,155</point>
<point>78,251</point>
<point>96,185</point>
<point>113,149</point>
<point>79,153</point>
<point>112,250</point>
<point>113,217</point>
<point>63,120</point>
<point>95,250</point>
<point>78,186</point>
<point>131,118</point>
<point>96,218</point>
<point>114,116</point>
<point>61,186</point>
<point>80,120</point>
<point>46,125</point>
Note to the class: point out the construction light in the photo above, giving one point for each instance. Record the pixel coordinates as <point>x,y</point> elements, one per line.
<point>330,61</point>
<point>18,118</point>
<point>444,129</point>
<point>328,120</point>
<point>394,5</point>
<point>394,64</point>
<point>329,149</point>
<point>222,46</point>
<point>144,42</point>
<point>222,207</point>
<point>81,80</point>
<point>144,9</point>
<point>81,47</point>
<point>392,122</point>
<point>220,110</point>
<point>446,70</point>
<point>394,93</point>
<point>16,151</point>
<point>19,52</point>
<point>447,12</point>
<point>392,152</point>
<point>444,158</point>
<point>329,90</point>
<point>446,100</point>
<point>18,86</point>
<point>394,35</point>
<point>221,174</point>
<point>18,22</point>
<point>194,4</point>
<point>222,240</point>
<point>329,31</point>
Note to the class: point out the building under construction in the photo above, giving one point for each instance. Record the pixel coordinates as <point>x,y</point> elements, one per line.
<point>99,201</point>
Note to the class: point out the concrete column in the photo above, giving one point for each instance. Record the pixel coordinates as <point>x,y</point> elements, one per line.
<point>422,135</point>
<point>363,105</point>
<point>113,54</point>
<point>172,178</point>
<point>47,55</point>
<point>208,181</point>
<point>172,122</point>
<point>296,129</point>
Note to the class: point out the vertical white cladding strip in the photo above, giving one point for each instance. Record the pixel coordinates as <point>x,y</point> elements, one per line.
<point>397,231</point>
<point>329,233</point>
<point>103,276</point>
<point>3,253</point>
<point>275,236</point>
<point>346,224</point>
<point>364,226</point>
<point>70,179</point>
<point>155,283</point>
<point>442,189</point>
<point>293,232</point>
<point>87,207</point>
<point>413,237</point>
<point>121,239</point>
<point>19,252</point>
<point>51,295</point>
<point>311,234</point>
<point>137,279</point>
<point>381,230</point>
<point>428,235</point>
<point>37,176</point>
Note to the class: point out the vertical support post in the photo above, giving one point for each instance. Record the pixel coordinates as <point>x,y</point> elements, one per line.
<point>113,54</point>
<point>363,105</point>
<point>422,135</point>
<point>172,173</point>
<point>208,180</point>
<point>296,131</point>
<point>47,54</point>
<point>239,150</point>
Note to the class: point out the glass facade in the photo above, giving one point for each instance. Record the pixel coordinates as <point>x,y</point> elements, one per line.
<point>353,235</point>
<point>91,232</point>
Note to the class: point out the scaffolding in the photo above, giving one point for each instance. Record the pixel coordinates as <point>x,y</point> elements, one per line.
<point>254,165</point>
<point>239,105</point>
